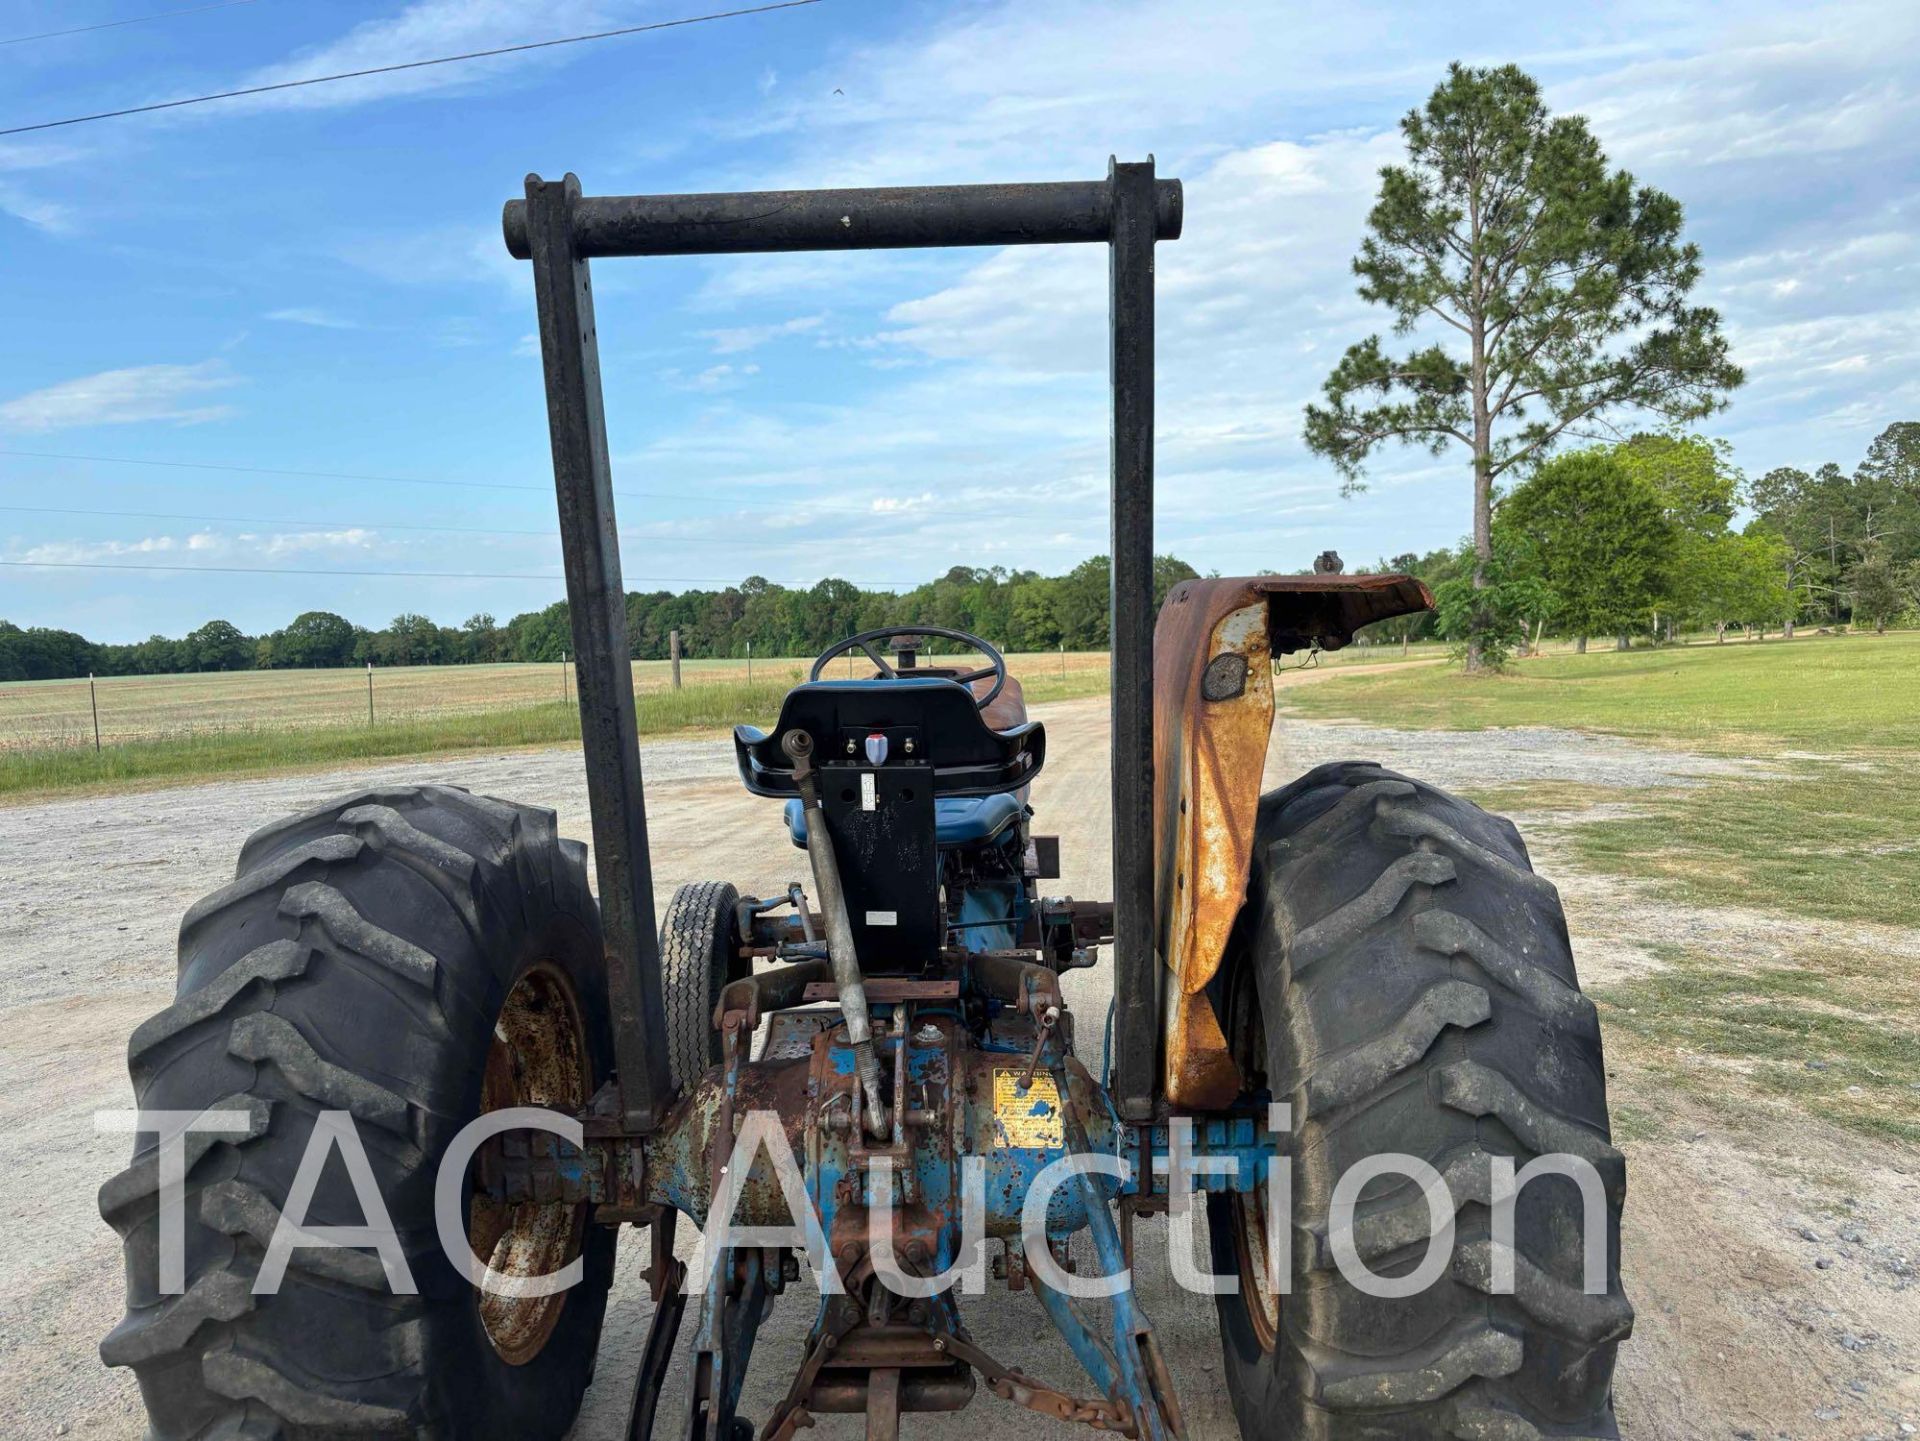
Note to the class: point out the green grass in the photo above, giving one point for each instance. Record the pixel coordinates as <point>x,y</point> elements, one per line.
<point>189,756</point>
<point>1821,694</point>
<point>194,756</point>
<point>1833,841</point>
<point>1833,1033</point>
<point>1041,687</point>
<point>1833,831</point>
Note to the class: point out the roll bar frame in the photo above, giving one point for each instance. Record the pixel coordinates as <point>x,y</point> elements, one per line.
<point>560,231</point>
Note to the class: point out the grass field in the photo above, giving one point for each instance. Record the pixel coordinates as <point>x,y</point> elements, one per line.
<point>1831,819</point>
<point>173,729</point>
<point>1824,828</point>
<point>34,714</point>
<point>177,729</point>
<point>1820,693</point>
<point>38,714</point>
<point>1832,1030</point>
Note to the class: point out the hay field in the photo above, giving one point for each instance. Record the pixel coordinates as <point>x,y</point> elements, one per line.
<point>35,714</point>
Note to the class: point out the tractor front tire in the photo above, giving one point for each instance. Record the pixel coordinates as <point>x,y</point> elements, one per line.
<point>1413,993</point>
<point>699,954</point>
<point>411,958</point>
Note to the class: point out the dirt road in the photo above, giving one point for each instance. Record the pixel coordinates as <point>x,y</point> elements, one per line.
<point>1739,1330</point>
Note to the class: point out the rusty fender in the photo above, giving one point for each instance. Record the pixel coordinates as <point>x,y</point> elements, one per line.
<point>1213,649</point>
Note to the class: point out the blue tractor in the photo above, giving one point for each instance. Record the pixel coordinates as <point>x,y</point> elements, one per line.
<point>418,1079</point>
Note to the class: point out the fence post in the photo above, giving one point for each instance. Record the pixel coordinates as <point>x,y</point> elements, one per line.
<point>749,662</point>
<point>93,698</point>
<point>369,694</point>
<point>673,652</point>
<point>1063,660</point>
<point>563,677</point>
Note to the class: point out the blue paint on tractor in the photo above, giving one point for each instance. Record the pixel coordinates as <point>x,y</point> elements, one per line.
<point>990,912</point>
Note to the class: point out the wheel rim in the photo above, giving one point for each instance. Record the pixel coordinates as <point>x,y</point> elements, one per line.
<point>1256,1288</point>
<point>538,1058</point>
<point>1261,1301</point>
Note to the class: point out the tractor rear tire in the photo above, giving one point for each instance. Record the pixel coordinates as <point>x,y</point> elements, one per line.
<point>1414,993</point>
<point>699,954</point>
<point>411,957</point>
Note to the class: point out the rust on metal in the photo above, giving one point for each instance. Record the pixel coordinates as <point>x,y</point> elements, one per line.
<point>887,990</point>
<point>538,1059</point>
<point>1214,647</point>
<point>1011,1384</point>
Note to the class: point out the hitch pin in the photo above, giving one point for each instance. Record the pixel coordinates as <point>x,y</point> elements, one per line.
<point>1048,1019</point>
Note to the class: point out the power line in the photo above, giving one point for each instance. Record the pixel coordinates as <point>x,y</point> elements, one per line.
<point>630,582</point>
<point>707,498</point>
<point>271,471</point>
<point>288,570</point>
<point>633,535</point>
<point>279,520</point>
<point>134,20</point>
<point>301,474</point>
<point>410,65</point>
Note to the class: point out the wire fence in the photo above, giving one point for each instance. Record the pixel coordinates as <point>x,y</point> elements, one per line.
<point>116,710</point>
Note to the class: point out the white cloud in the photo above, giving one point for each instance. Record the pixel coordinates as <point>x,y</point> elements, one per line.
<point>1010,417</point>
<point>52,216</point>
<point>306,542</point>
<point>751,337</point>
<point>202,547</point>
<point>176,393</point>
<point>38,154</point>
<point>713,379</point>
<point>978,379</point>
<point>440,255</point>
<point>1278,130</point>
<point>48,215</point>
<point>312,315</point>
<point>78,552</point>
<point>1809,82</point>
<point>427,30</point>
<point>1010,91</point>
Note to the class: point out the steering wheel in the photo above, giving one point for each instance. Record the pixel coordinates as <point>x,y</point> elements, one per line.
<point>866,640</point>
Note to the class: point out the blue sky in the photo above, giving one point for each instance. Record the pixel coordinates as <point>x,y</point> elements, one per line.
<point>314,281</point>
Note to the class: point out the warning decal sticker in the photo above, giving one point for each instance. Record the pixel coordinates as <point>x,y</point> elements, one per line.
<point>1029,1118</point>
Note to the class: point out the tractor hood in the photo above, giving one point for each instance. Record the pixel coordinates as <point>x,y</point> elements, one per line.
<point>1213,652</point>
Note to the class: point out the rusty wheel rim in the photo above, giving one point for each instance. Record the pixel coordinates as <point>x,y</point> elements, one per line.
<point>538,1058</point>
<point>1250,1236</point>
<point>1262,1300</point>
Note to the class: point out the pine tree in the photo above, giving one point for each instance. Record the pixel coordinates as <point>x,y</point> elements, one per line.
<point>1558,286</point>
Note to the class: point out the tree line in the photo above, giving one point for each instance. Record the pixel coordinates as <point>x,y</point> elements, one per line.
<point>1020,610</point>
<point>1639,539</point>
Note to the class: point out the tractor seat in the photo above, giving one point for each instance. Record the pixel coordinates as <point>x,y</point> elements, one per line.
<point>928,724</point>
<point>957,820</point>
